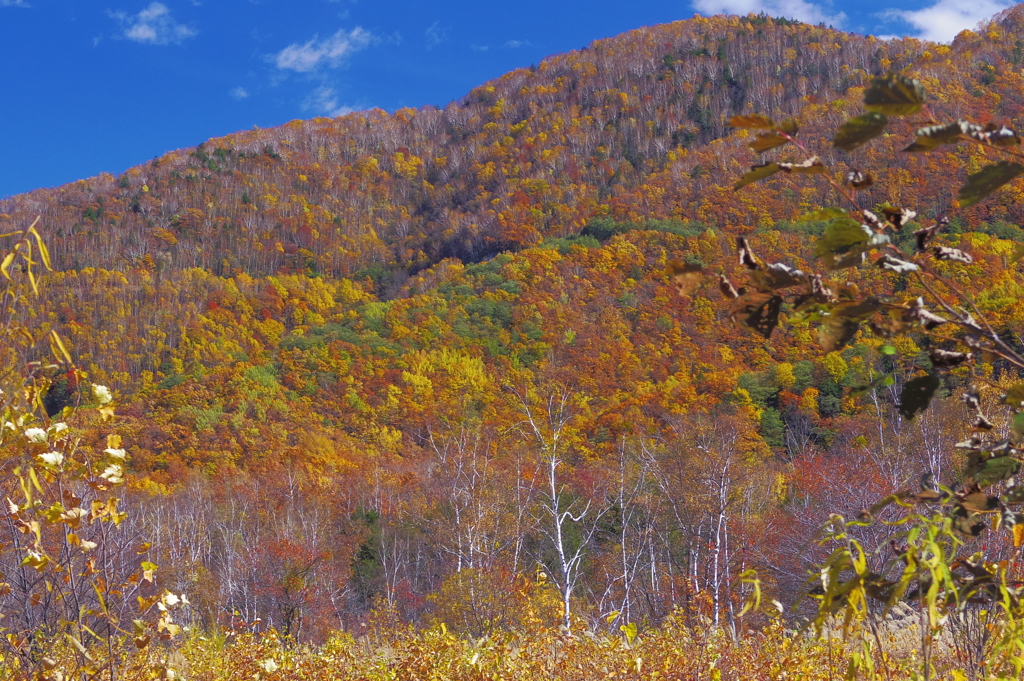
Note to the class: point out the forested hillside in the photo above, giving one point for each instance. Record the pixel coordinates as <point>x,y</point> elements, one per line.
<point>428,365</point>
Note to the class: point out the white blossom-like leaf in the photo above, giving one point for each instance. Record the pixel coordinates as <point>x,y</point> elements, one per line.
<point>102,393</point>
<point>52,459</point>
<point>36,435</point>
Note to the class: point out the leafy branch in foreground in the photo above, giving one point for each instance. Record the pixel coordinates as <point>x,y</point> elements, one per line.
<point>73,588</point>
<point>914,296</point>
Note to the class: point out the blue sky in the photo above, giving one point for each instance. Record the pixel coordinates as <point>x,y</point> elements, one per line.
<point>89,86</point>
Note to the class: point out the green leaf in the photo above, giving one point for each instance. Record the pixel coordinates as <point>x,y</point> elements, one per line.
<point>883,381</point>
<point>894,95</point>
<point>995,470</point>
<point>823,214</point>
<point>767,140</point>
<point>790,126</point>
<point>859,130</point>
<point>887,350</point>
<point>842,244</point>
<point>755,121</point>
<point>917,394</point>
<point>987,180</point>
<point>758,172</point>
<point>1014,397</point>
<point>1017,426</point>
<point>1018,253</point>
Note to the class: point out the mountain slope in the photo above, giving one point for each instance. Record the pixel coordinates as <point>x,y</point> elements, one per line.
<point>356,319</point>
<point>530,155</point>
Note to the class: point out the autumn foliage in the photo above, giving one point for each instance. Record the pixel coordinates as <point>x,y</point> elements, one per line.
<point>389,384</point>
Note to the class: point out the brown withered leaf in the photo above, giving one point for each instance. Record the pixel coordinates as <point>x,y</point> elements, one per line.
<point>836,332</point>
<point>926,234</point>
<point>895,264</point>
<point>821,292</point>
<point>947,358</point>
<point>872,220</point>
<point>777,276</point>
<point>967,523</point>
<point>972,443</point>
<point>904,497</point>
<point>765,141</point>
<point>746,255</point>
<point>934,136</point>
<point>917,394</point>
<point>979,502</point>
<point>1000,136</point>
<point>859,310</point>
<point>944,253</point>
<point>812,166</point>
<point>726,287</point>
<point>889,324</point>
<point>972,398</point>
<point>982,424</point>
<point>686,277</point>
<point>917,312</point>
<point>859,180</point>
<point>759,311</point>
<point>897,217</point>
<point>755,121</point>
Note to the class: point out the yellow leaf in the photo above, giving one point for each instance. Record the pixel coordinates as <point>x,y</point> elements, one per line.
<point>1018,535</point>
<point>58,349</point>
<point>44,252</point>
<point>5,265</point>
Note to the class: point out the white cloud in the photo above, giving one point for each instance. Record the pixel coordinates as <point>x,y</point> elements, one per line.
<point>14,3</point>
<point>943,20</point>
<point>323,100</point>
<point>330,52</point>
<point>239,93</point>
<point>507,45</point>
<point>436,34</point>
<point>801,10</point>
<point>153,25</point>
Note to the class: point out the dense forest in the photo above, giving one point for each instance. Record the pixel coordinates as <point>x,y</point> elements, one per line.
<point>429,366</point>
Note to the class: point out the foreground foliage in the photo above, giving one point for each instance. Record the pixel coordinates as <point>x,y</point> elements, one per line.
<point>684,648</point>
